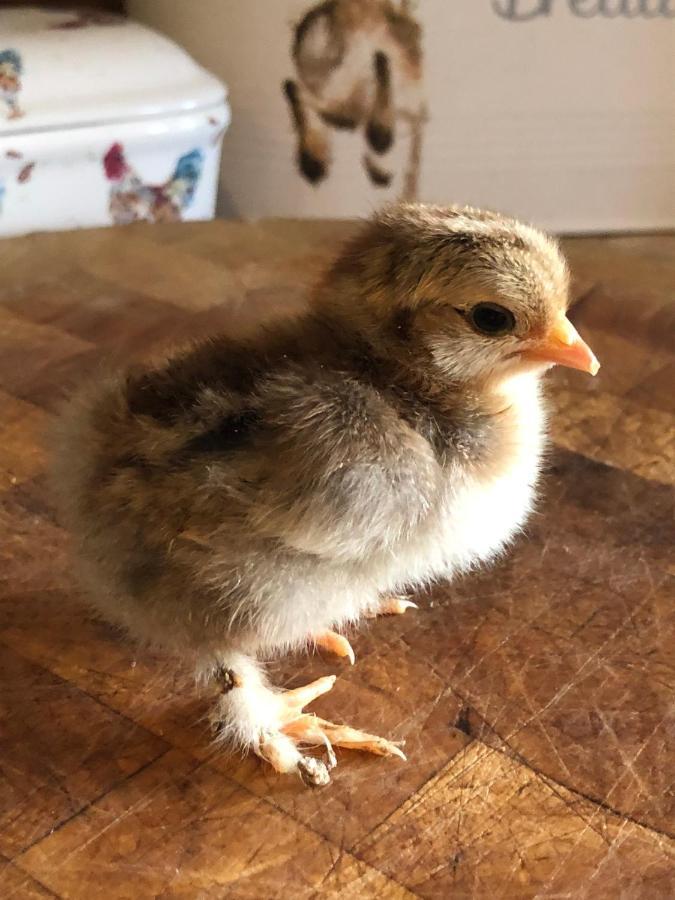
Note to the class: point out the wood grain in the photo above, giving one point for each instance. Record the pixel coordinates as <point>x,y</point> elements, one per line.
<point>536,699</point>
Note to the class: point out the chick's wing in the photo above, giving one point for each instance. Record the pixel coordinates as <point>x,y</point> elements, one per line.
<point>328,468</point>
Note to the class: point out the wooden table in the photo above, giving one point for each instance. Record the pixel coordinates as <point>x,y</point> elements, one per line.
<point>536,699</point>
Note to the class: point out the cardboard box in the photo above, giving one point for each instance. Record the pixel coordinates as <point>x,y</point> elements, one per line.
<point>559,111</point>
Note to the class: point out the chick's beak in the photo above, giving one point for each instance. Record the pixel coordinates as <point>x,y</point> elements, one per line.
<point>564,346</point>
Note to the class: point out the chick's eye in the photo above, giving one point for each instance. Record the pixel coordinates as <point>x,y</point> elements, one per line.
<point>492,319</point>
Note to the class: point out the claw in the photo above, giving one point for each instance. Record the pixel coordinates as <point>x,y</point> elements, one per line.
<point>337,644</point>
<point>396,606</point>
<point>393,606</point>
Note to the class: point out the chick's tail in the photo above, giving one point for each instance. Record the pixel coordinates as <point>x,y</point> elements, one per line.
<point>87,437</point>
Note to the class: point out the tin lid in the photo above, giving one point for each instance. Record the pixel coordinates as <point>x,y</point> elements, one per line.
<point>64,69</point>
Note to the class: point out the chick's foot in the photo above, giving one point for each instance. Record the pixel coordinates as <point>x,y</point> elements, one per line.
<point>280,748</point>
<point>307,728</point>
<point>275,726</point>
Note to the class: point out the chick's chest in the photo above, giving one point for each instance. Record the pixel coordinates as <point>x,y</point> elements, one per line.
<point>480,508</point>
<point>492,503</point>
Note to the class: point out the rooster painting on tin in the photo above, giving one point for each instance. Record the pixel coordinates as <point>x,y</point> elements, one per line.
<point>132,200</point>
<point>10,82</point>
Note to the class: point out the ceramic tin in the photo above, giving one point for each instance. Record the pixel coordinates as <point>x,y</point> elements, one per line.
<point>102,121</point>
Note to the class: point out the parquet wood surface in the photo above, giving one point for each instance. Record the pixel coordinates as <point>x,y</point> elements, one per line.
<point>536,699</point>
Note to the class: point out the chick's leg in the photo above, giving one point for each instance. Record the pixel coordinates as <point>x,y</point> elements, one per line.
<point>273,724</point>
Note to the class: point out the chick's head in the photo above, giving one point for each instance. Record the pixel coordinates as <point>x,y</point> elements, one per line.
<point>481,295</point>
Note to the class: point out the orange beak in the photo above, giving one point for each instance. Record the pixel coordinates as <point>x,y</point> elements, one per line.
<point>564,346</point>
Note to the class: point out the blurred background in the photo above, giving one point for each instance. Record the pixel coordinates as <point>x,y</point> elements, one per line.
<point>558,111</point>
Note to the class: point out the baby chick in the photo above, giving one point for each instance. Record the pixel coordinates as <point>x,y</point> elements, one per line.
<point>247,497</point>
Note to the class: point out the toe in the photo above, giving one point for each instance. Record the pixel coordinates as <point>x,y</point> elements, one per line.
<point>309,729</point>
<point>396,606</point>
<point>281,752</point>
<point>294,701</point>
<point>337,644</point>
<point>353,739</point>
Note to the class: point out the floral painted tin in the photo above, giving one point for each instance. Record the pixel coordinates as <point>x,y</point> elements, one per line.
<point>102,122</point>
